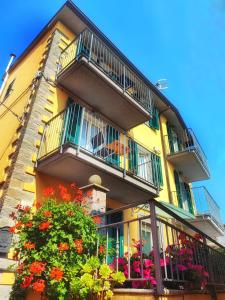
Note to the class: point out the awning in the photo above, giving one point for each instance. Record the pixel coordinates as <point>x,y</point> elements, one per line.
<point>177,210</point>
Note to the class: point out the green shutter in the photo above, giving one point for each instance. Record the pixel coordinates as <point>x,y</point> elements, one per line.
<point>154,121</point>
<point>112,233</point>
<point>112,135</point>
<point>73,122</point>
<point>170,137</point>
<point>133,156</point>
<point>178,189</point>
<point>157,170</point>
<point>189,198</point>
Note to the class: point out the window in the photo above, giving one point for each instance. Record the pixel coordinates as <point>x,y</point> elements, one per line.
<point>183,194</point>
<point>144,166</point>
<point>154,121</point>
<point>9,89</point>
<point>146,236</point>
<point>157,170</point>
<point>175,142</point>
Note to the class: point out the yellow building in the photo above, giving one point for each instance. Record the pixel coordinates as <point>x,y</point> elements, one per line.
<point>74,106</point>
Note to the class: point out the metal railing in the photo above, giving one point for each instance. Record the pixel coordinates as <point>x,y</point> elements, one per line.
<point>89,45</point>
<point>185,142</point>
<point>206,205</point>
<point>152,252</point>
<point>90,132</point>
<point>198,201</point>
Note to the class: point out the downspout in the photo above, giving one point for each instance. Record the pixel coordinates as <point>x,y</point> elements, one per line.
<point>164,155</point>
<point>6,75</point>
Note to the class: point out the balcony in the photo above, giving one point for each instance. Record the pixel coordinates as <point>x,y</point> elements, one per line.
<point>172,246</point>
<point>203,209</point>
<point>78,143</point>
<point>186,154</point>
<point>89,69</point>
<point>208,218</point>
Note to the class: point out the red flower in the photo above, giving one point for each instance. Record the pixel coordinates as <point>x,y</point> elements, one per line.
<point>12,229</point>
<point>26,209</point>
<point>29,224</point>
<point>37,267</point>
<point>79,196</point>
<point>39,286</point>
<point>79,246</point>
<point>65,195</point>
<point>18,225</point>
<point>13,215</point>
<point>63,247</point>
<point>19,269</point>
<point>101,249</point>
<point>47,213</point>
<point>44,225</point>
<point>29,245</point>
<point>89,193</point>
<point>26,282</point>
<point>56,274</point>
<point>48,192</point>
<point>97,219</point>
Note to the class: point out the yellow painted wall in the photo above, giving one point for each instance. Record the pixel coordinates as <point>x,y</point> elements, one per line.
<point>23,73</point>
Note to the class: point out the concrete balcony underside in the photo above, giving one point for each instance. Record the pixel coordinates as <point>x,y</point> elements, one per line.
<point>207,224</point>
<point>188,163</point>
<point>84,79</point>
<point>73,166</point>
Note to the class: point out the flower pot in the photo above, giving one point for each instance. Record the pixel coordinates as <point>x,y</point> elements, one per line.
<point>31,295</point>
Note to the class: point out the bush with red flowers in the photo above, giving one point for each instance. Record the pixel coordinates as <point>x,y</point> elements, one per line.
<point>53,241</point>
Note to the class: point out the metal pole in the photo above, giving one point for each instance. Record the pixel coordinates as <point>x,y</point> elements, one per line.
<point>90,52</point>
<point>81,128</point>
<point>156,250</point>
<point>6,75</point>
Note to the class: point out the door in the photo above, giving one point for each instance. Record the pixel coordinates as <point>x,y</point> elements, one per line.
<point>113,235</point>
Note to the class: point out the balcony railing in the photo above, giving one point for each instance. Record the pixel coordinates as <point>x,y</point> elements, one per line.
<point>177,258</point>
<point>206,205</point>
<point>185,142</point>
<point>89,45</point>
<point>91,133</point>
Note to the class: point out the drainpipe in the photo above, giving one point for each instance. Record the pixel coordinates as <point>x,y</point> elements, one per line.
<point>6,75</point>
<point>164,156</point>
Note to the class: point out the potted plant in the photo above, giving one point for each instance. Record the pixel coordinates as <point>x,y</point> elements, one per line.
<point>53,242</point>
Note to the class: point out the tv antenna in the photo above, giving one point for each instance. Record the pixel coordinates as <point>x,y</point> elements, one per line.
<point>161,84</point>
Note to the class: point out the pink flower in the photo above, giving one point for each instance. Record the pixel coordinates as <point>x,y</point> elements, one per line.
<point>164,262</point>
<point>147,273</point>
<point>206,274</point>
<point>181,268</point>
<point>148,263</point>
<point>136,266</point>
<point>153,281</point>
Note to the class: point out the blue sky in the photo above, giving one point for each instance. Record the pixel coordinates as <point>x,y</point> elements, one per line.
<point>183,41</point>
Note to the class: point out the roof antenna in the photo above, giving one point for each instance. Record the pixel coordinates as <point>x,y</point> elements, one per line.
<point>6,75</point>
<point>162,84</point>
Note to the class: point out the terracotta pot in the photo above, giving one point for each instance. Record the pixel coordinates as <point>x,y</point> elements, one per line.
<point>31,295</point>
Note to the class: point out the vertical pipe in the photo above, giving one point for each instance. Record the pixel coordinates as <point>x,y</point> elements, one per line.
<point>6,75</point>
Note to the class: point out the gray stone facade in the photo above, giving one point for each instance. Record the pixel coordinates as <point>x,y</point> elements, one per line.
<point>14,192</point>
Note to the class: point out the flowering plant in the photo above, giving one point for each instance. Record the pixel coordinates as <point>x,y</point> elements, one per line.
<point>96,281</point>
<point>183,260</point>
<point>52,242</point>
<point>141,266</point>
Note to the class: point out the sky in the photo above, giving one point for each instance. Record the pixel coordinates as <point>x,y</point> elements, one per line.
<point>180,40</point>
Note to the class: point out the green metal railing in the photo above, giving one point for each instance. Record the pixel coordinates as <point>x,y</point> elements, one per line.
<point>185,142</point>
<point>89,132</point>
<point>90,46</point>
